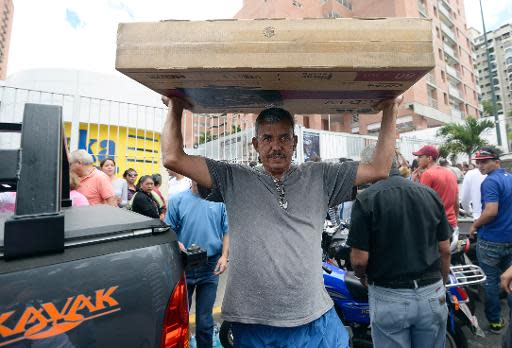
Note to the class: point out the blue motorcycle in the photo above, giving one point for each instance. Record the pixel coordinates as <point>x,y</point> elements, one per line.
<point>350,297</point>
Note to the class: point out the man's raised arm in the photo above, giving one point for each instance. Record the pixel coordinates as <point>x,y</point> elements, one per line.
<point>173,156</point>
<point>385,150</point>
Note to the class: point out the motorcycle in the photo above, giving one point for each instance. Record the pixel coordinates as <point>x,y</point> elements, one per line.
<point>350,297</point>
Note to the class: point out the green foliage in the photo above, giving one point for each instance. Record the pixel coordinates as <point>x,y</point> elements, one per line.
<point>489,109</point>
<point>463,138</point>
<point>206,137</point>
<point>235,129</point>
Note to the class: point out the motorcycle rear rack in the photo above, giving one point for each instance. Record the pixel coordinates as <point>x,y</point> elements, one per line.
<point>466,275</point>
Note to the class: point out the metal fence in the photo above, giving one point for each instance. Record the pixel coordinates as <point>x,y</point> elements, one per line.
<point>130,133</point>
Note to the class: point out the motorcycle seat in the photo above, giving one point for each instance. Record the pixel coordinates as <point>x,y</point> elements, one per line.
<point>356,289</point>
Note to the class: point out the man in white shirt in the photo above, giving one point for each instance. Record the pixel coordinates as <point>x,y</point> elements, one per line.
<point>177,183</point>
<point>470,192</point>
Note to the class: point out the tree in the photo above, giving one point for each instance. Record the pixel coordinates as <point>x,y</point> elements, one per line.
<point>489,109</point>
<point>464,138</point>
<point>235,129</point>
<point>206,137</point>
<point>451,151</point>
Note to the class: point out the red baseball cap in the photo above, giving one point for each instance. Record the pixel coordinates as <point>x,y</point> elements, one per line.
<point>427,150</point>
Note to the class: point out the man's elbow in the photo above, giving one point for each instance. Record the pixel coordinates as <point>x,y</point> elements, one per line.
<point>379,174</point>
<point>358,263</point>
<point>170,160</point>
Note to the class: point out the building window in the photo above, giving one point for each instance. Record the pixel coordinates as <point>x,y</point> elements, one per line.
<point>438,33</point>
<point>440,54</point>
<point>435,11</point>
<point>345,3</point>
<point>305,121</point>
<point>445,97</point>
<point>443,76</point>
<point>296,4</point>
<point>333,14</point>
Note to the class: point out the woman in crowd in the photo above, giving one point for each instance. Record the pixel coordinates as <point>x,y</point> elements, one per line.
<point>77,199</point>
<point>157,180</point>
<point>143,201</point>
<point>120,186</point>
<point>130,175</point>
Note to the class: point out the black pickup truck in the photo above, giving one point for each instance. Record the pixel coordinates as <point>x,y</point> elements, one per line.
<point>93,276</point>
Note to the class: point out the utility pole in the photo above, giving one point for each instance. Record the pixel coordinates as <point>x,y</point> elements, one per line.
<point>493,94</point>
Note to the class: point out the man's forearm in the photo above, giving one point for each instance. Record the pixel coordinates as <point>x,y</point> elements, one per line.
<point>484,219</point>
<point>225,246</point>
<point>445,266</point>
<point>360,270</point>
<point>172,139</point>
<point>385,148</point>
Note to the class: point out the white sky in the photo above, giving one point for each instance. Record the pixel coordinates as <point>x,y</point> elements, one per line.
<point>43,35</point>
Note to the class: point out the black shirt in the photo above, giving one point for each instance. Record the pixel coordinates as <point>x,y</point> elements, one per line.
<point>400,223</point>
<point>145,204</point>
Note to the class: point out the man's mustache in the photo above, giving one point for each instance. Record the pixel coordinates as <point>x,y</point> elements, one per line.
<point>276,155</point>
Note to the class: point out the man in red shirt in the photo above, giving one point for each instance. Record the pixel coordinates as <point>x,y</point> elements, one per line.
<point>443,181</point>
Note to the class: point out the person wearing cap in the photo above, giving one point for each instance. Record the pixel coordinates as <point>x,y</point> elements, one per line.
<point>494,226</point>
<point>443,181</point>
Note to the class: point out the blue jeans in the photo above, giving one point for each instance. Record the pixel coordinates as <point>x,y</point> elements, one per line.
<point>204,283</point>
<point>324,332</point>
<point>494,259</point>
<point>408,317</point>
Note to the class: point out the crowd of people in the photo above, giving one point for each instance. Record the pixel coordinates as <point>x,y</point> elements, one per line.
<point>403,218</point>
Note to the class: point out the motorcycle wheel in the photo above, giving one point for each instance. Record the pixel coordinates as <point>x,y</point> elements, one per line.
<point>226,335</point>
<point>455,339</point>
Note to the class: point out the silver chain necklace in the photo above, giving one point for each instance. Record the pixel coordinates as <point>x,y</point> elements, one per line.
<point>282,194</point>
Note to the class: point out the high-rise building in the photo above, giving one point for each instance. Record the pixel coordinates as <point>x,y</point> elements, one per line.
<point>448,93</point>
<point>499,43</point>
<point>6,17</point>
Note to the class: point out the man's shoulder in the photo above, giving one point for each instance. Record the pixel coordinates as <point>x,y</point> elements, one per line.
<point>99,175</point>
<point>233,167</point>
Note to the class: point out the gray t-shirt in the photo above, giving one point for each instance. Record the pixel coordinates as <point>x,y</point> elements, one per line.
<point>275,274</point>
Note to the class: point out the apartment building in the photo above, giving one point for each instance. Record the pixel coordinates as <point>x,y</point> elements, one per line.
<point>499,43</point>
<point>448,93</point>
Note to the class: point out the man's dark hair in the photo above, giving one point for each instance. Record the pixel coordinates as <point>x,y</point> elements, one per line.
<point>443,162</point>
<point>492,150</point>
<point>274,115</point>
<point>157,179</point>
<point>414,164</point>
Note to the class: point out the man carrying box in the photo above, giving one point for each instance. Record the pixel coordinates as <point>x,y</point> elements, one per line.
<point>275,292</point>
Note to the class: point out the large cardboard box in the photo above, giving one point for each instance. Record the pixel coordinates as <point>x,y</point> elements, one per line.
<point>307,66</point>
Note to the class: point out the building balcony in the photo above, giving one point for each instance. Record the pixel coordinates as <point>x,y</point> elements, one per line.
<point>457,114</point>
<point>432,102</point>
<point>453,72</point>
<point>450,51</point>
<point>431,79</point>
<point>448,32</point>
<point>446,3</point>
<point>422,9</point>
<point>454,92</point>
<point>444,12</point>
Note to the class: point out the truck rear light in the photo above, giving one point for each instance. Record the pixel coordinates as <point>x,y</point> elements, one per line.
<point>175,329</point>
